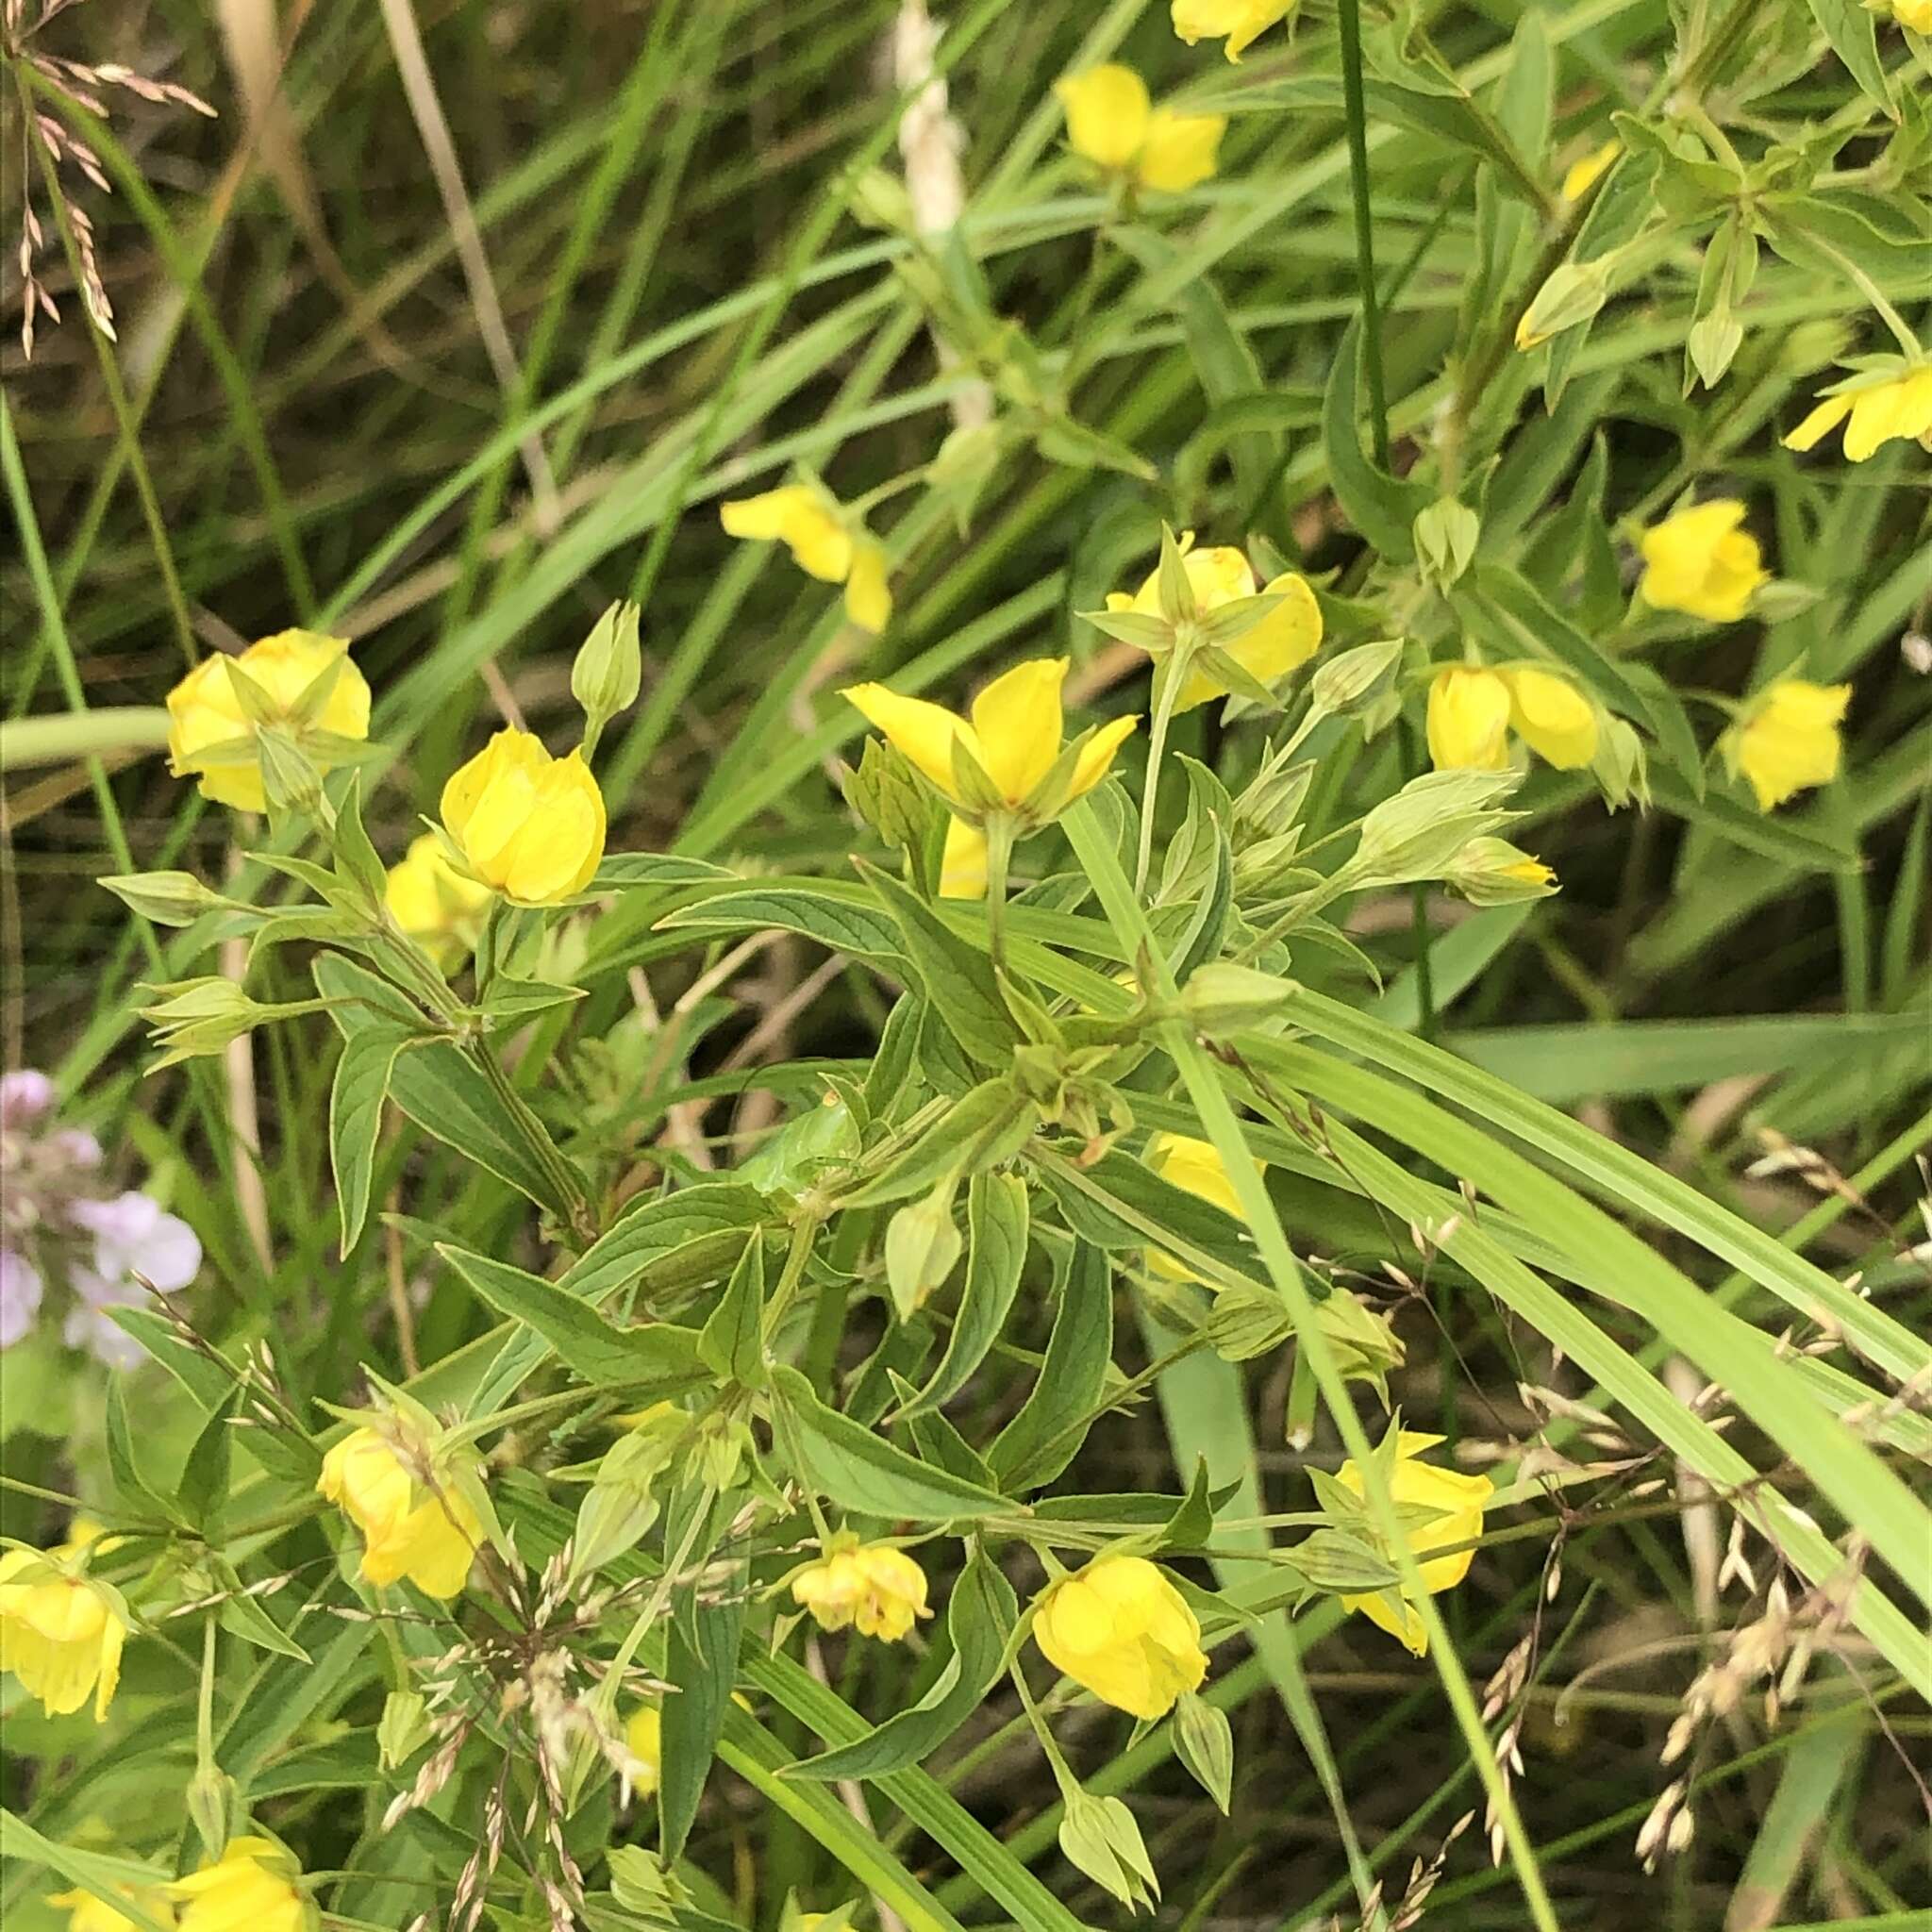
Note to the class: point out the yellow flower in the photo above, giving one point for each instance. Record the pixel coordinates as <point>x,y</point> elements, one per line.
<point>1789,739</point>
<point>1469,719</point>
<point>1462,1498</point>
<point>433,902</point>
<point>1284,639</point>
<point>643,1737</point>
<point>878,1590</point>
<point>1014,738</point>
<point>1198,1167</point>
<point>962,865</point>
<point>1242,22</point>
<point>1120,1629</point>
<point>87,1913</point>
<point>1701,562</point>
<point>1552,717</point>
<point>1916,14</point>
<point>1891,405</point>
<point>1111,122</point>
<point>1584,174</point>
<point>60,1633</point>
<point>821,542</point>
<point>204,712</point>
<point>251,1888</point>
<point>408,1530</point>
<point>527,823</point>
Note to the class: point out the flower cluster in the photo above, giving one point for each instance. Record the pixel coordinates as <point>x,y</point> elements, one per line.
<point>55,1222</point>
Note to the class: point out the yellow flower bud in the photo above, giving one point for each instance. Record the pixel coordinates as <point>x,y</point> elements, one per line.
<point>61,1631</point>
<point>1013,737</point>
<point>643,1738</point>
<point>1462,1498</point>
<point>962,865</point>
<point>1894,405</point>
<point>1241,21</point>
<point>824,543</point>
<point>433,902</point>
<point>1702,562</point>
<point>876,1589</point>
<point>250,1887</point>
<point>527,824</point>
<point>87,1913</point>
<point>1195,1166</point>
<point>1120,1629</point>
<point>408,1529</point>
<point>1552,717</point>
<point>1282,642</point>
<point>205,709</point>
<point>1469,719</point>
<point>1789,740</point>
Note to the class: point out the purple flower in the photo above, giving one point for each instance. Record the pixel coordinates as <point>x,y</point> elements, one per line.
<point>133,1237</point>
<point>25,1094</point>
<point>76,1146</point>
<point>20,1297</point>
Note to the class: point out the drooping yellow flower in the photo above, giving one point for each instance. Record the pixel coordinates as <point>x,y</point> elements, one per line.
<point>643,1737</point>
<point>1462,1498</point>
<point>1788,740</point>
<point>1881,407</point>
<point>962,865</point>
<point>408,1530</point>
<point>1013,737</point>
<point>87,1913</point>
<point>1702,562</point>
<point>1552,717</point>
<point>1198,1167</point>
<point>1282,642</point>
<point>250,1887</point>
<point>1582,175</point>
<point>1469,719</point>
<point>205,710</point>
<point>877,1591</point>
<point>1120,1629</point>
<point>60,1630</point>
<point>823,543</point>
<point>1241,21</point>
<point>433,902</point>
<point>1111,122</point>
<point>527,823</point>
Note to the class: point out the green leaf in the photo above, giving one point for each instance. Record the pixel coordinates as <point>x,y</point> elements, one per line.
<point>979,1130</point>
<point>1381,507</point>
<point>1044,1437</point>
<point>247,1618</point>
<point>619,872</point>
<point>979,1620</point>
<point>356,858</point>
<point>996,1220</point>
<point>94,1872</point>
<point>1853,32</point>
<point>700,1665</point>
<point>957,977</point>
<point>865,1474</point>
<point>732,1343</point>
<point>835,913</point>
<point>604,1356</point>
<point>203,1492</point>
<point>124,1463</point>
<point>510,1001</point>
<point>354,1119</point>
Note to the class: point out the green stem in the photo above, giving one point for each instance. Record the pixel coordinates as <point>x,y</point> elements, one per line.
<point>569,1183</point>
<point>1167,683</point>
<point>999,853</point>
<point>1351,22</point>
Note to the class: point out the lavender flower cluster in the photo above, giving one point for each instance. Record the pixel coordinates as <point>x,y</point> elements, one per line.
<point>58,1221</point>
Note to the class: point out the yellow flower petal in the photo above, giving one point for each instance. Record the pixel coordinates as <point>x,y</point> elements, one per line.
<point>868,595</point>
<point>1106,109</point>
<point>924,732</point>
<point>1468,719</point>
<point>1097,755</point>
<point>1180,150</point>
<point>1121,1631</point>
<point>1790,740</point>
<point>1582,175</point>
<point>962,865</point>
<point>1552,717</point>
<point>1702,562</point>
<point>1017,720</point>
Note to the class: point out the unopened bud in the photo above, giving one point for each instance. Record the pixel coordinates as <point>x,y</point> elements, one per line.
<point>211,1803</point>
<point>1572,294</point>
<point>922,1245</point>
<point>1222,997</point>
<point>1492,871</point>
<point>166,898</point>
<point>1345,680</point>
<point>609,666</point>
<point>1445,541</point>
